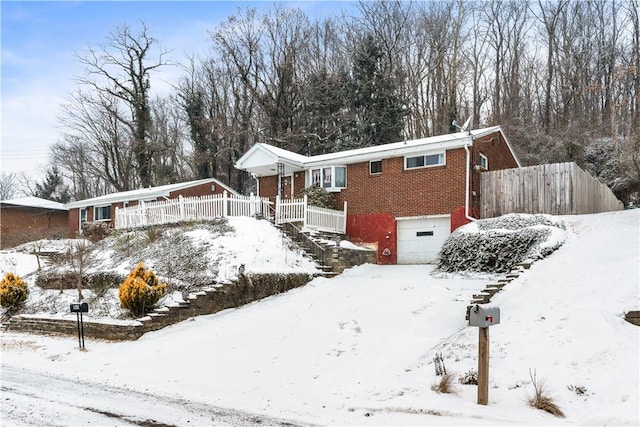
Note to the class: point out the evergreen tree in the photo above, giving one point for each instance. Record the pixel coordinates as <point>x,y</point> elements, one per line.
<point>53,187</point>
<point>379,109</point>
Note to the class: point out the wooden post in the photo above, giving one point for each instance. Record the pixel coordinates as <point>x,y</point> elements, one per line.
<point>224,204</point>
<point>344,221</point>
<point>304,211</point>
<point>483,366</point>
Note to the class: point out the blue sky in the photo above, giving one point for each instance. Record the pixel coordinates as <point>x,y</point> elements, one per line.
<point>38,67</point>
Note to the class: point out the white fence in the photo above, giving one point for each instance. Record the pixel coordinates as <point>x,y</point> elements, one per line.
<point>191,208</point>
<point>315,217</point>
<point>223,205</point>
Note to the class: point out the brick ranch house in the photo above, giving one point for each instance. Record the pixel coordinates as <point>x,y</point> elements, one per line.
<point>31,218</point>
<point>103,208</point>
<point>405,197</point>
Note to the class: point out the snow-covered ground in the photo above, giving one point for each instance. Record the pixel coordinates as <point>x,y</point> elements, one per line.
<point>359,348</point>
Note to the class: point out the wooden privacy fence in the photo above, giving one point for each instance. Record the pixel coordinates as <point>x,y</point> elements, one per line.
<point>299,210</point>
<point>191,208</point>
<point>556,189</point>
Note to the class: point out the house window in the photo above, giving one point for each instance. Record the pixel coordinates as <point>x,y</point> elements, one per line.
<point>340,177</point>
<point>330,177</point>
<point>102,213</point>
<point>326,177</point>
<point>315,177</point>
<point>484,162</point>
<point>423,161</point>
<point>83,216</point>
<point>375,167</point>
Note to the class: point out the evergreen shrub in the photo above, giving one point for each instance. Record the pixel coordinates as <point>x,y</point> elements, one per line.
<point>13,291</point>
<point>318,196</point>
<point>497,245</point>
<point>141,290</point>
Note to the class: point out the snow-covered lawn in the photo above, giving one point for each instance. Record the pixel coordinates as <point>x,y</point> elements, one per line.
<point>359,348</point>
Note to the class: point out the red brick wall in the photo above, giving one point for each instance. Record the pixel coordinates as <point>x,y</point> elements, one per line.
<point>375,228</point>
<point>298,183</point>
<point>495,148</point>
<point>400,192</point>
<point>24,224</point>
<point>268,185</point>
<point>198,190</point>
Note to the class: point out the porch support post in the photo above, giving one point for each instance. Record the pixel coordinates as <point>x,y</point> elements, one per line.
<point>278,207</point>
<point>304,211</point>
<point>344,222</point>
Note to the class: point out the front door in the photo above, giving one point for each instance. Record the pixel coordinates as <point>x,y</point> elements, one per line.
<point>286,186</point>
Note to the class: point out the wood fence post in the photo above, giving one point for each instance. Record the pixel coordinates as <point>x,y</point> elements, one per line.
<point>224,204</point>
<point>181,201</point>
<point>483,366</point>
<point>143,213</point>
<point>304,211</point>
<point>252,205</point>
<point>344,222</point>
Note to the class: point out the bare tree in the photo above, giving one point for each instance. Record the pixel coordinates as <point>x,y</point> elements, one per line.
<point>78,257</point>
<point>9,185</point>
<point>119,71</point>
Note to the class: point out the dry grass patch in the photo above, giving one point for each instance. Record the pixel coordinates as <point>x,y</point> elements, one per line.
<point>541,399</point>
<point>446,384</point>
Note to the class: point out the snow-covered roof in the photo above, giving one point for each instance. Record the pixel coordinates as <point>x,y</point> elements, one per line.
<point>144,193</point>
<point>262,158</point>
<point>35,202</point>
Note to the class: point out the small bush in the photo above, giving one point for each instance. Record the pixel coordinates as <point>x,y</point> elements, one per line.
<point>141,290</point>
<point>152,234</point>
<point>469,378</point>
<point>13,291</point>
<point>446,384</point>
<point>318,196</point>
<point>541,400</point>
<point>95,231</point>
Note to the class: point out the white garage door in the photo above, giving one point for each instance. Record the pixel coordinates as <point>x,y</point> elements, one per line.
<point>420,239</point>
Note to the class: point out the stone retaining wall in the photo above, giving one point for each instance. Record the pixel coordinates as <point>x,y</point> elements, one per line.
<point>208,301</point>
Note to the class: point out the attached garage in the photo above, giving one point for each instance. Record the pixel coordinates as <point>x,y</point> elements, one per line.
<point>420,238</point>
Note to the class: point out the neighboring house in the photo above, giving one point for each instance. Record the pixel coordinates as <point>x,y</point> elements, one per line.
<point>103,208</point>
<point>31,218</point>
<point>406,197</point>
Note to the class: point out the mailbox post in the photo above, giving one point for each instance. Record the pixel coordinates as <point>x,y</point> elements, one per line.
<point>78,309</point>
<point>483,317</point>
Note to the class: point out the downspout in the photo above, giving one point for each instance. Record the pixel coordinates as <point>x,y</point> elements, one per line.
<point>468,182</point>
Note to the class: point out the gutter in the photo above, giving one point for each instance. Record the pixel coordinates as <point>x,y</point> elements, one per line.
<point>468,182</point>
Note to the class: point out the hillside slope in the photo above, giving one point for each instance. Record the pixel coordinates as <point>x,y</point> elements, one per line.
<point>359,348</point>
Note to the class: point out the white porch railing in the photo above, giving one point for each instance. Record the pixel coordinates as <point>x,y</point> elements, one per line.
<point>299,210</point>
<point>191,208</point>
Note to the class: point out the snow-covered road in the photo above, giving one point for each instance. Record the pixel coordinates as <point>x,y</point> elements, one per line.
<point>37,399</point>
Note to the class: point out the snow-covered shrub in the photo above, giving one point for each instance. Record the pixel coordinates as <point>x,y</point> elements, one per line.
<point>318,196</point>
<point>95,231</point>
<point>469,378</point>
<point>13,291</point>
<point>141,290</point>
<point>519,221</point>
<point>497,245</point>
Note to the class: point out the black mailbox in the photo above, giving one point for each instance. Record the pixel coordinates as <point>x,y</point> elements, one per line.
<point>80,307</point>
